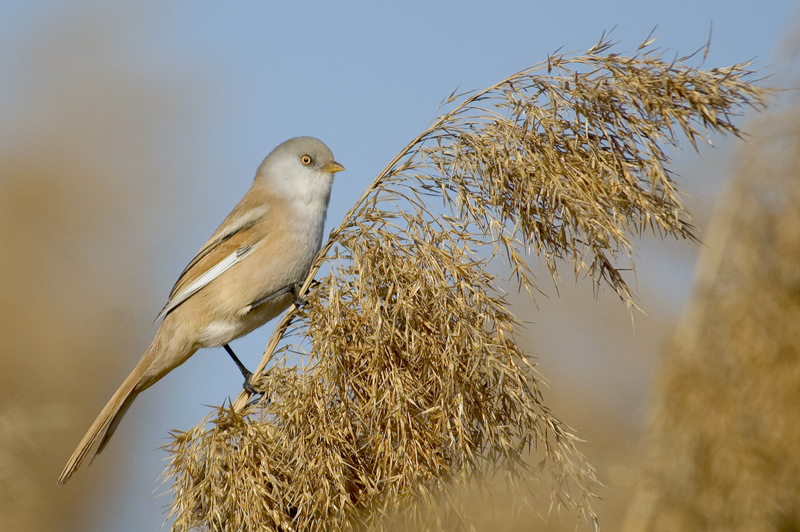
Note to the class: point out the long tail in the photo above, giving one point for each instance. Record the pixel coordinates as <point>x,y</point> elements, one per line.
<point>156,362</point>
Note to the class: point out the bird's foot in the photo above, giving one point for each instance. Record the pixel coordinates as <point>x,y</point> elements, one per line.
<point>298,301</point>
<point>248,384</point>
<point>296,287</point>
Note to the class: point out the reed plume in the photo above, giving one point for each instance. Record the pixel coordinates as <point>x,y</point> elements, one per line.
<point>400,380</point>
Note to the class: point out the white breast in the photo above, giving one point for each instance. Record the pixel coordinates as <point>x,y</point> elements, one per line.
<point>218,333</point>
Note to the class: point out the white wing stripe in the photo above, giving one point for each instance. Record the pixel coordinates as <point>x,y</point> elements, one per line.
<point>212,273</point>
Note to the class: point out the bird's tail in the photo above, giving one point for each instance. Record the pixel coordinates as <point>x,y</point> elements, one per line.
<point>153,365</point>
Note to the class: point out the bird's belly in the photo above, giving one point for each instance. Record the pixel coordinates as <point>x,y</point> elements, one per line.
<point>219,332</point>
<point>222,330</point>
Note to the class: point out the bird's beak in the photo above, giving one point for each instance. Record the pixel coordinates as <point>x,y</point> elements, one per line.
<point>332,167</point>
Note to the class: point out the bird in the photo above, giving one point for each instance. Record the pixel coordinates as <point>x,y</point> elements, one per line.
<point>247,273</point>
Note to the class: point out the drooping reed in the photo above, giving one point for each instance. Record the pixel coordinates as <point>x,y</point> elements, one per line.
<point>400,379</point>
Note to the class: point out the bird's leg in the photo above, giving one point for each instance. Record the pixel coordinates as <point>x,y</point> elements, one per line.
<point>293,289</point>
<point>274,295</point>
<point>246,373</point>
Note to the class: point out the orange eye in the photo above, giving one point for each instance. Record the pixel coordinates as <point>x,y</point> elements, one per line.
<point>306,160</point>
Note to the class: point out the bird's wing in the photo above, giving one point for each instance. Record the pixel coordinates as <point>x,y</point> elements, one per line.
<point>203,279</point>
<point>228,246</point>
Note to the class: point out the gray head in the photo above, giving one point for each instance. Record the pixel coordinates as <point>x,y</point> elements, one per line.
<point>300,169</point>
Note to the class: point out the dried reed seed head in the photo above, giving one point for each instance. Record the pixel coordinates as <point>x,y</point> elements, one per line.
<point>400,378</point>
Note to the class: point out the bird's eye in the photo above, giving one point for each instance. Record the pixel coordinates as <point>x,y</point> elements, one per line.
<point>306,160</point>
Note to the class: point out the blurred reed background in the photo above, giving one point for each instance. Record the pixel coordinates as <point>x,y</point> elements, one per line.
<point>83,181</point>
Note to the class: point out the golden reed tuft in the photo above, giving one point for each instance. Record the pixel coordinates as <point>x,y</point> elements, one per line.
<point>400,379</point>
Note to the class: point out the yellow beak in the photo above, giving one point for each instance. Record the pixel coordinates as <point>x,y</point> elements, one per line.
<point>332,167</point>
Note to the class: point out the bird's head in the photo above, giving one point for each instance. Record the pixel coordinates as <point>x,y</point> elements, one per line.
<point>300,169</point>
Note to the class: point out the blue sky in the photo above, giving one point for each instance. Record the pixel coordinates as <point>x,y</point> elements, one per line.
<point>365,77</point>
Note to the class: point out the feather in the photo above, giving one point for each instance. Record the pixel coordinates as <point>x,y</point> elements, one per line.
<point>205,278</point>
